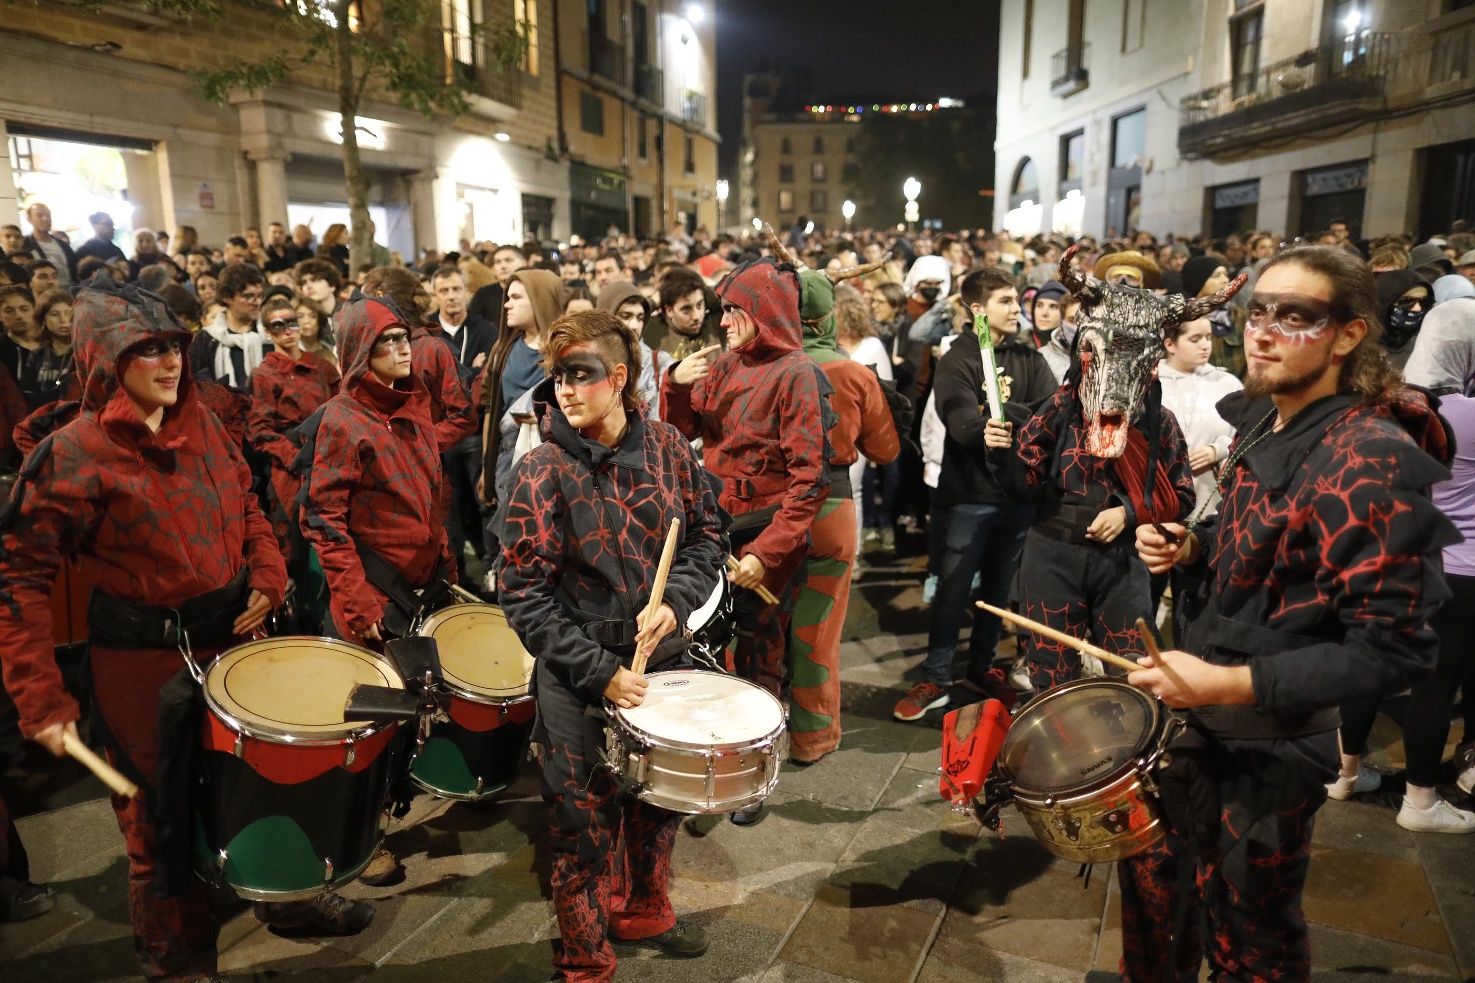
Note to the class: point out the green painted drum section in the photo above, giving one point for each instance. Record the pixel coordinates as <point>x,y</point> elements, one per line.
<point>271,854</point>
<point>441,766</point>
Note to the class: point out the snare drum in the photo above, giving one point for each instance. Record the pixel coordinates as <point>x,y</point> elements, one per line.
<point>294,795</point>
<point>1079,763</point>
<point>711,624</point>
<point>487,672</point>
<point>700,742</point>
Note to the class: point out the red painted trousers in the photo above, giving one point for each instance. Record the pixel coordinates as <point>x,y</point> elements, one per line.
<point>611,852</point>
<point>173,936</point>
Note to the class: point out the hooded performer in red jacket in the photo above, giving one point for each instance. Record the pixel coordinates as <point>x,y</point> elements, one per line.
<point>149,493</point>
<point>376,473</point>
<point>760,412</point>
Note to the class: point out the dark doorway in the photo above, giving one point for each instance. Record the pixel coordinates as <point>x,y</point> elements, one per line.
<point>1233,208</point>
<point>537,217</point>
<point>1449,187</point>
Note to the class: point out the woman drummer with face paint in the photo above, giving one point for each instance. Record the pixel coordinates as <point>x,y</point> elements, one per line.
<point>587,516</point>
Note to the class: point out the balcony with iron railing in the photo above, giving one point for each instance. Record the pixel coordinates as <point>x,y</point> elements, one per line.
<point>694,107</point>
<point>1340,83</point>
<point>484,77</point>
<point>1068,73</point>
<point>649,83</point>
<point>607,59</point>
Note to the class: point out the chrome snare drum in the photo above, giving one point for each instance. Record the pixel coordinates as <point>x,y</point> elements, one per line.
<point>700,743</point>
<point>1078,763</point>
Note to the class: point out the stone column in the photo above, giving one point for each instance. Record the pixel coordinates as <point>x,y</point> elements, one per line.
<point>271,186</point>
<point>422,212</point>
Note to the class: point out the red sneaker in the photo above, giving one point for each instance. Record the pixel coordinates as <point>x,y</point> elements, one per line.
<point>921,698</point>
<point>991,684</point>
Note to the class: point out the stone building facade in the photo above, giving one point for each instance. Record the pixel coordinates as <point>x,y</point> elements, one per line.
<point>1225,115</point>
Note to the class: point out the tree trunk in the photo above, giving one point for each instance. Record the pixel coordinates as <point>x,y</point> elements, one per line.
<point>360,243</point>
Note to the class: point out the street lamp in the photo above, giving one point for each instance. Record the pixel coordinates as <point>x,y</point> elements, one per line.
<point>848,210</point>
<point>911,188</point>
<point>722,192</point>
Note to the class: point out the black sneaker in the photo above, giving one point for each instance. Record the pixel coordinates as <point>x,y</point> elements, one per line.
<point>747,817</point>
<point>681,941</point>
<point>328,914</point>
<point>22,900</point>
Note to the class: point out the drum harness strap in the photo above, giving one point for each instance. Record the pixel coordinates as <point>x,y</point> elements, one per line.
<point>205,620</point>
<point>410,604</point>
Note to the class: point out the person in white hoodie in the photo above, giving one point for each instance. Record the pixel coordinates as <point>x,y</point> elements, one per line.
<point>1192,389</point>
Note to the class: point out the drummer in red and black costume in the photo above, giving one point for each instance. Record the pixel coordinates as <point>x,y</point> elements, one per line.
<point>148,492</point>
<point>587,516</point>
<point>376,475</point>
<point>286,388</point>
<point>761,411</point>
<point>1320,576</point>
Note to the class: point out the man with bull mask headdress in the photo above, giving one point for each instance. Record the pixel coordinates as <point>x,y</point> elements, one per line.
<point>1101,457</point>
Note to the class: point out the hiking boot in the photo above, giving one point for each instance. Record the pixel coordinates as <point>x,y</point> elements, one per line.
<point>22,900</point>
<point>1441,817</point>
<point>383,870</point>
<point>921,698</point>
<point>327,914</point>
<point>1366,780</point>
<point>681,941</point>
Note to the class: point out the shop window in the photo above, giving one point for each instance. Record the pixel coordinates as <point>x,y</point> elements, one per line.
<point>1129,139</point>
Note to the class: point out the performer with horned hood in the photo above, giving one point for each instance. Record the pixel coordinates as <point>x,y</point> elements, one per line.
<point>1101,457</point>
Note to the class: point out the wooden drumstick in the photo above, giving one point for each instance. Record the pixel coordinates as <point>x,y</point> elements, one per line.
<point>658,589</point>
<point>1080,645</point>
<point>763,592</point>
<point>110,776</point>
<point>1149,644</point>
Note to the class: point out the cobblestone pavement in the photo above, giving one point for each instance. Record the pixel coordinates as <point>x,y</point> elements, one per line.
<point>858,873</point>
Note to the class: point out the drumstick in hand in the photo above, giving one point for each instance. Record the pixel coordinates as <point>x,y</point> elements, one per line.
<point>658,590</point>
<point>763,593</point>
<point>110,776</point>
<point>1045,631</point>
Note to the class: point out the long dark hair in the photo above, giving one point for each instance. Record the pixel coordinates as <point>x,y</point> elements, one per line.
<point>1366,372</point>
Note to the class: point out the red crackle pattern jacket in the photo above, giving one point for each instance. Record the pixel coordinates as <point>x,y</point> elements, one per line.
<point>761,415</point>
<point>1051,458</point>
<point>284,393</point>
<point>152,517</point>
<point>375,476</point>
<point>435,365</point>
<point>585,528</point>
<point>1324,565</point>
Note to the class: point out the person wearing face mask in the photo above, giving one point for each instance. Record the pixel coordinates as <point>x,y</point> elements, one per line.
<point>587,515</point>
<point>1051,333</point>
<point>1404,297</point>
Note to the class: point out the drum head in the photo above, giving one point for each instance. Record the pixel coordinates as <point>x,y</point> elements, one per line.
<point>480,655</point>
<point>1077,734</point>
<point>703,709</point>
<point>294,687</point>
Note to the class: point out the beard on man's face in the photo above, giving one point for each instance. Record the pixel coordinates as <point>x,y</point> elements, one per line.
<point>1260,385</point>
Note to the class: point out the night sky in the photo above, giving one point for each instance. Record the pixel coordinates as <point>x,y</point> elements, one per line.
<point>905,49</point>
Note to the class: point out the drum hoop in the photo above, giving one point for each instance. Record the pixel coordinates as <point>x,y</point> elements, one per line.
<point>656,741</point>
<point>273,735</point>
<point>457,687</point>
<point>1156,733</point>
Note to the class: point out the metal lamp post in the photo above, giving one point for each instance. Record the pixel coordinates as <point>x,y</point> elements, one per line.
<point>722,193</point>
<point>848,211</point>
<point>911,188</point>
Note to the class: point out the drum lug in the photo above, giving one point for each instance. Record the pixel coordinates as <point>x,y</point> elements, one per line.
<point>220,861</point>
<point>327,870</point>
<point>480,783</point>
<point>240,748</point>
<point>350,754</point>
<point>1115,822</point>
<point>711,787</point>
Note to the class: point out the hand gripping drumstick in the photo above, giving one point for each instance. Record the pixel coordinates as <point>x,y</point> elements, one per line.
<point>763,592</point>
<point>1059,636</point>
<point>658,591</point>
<point>110,776</point>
